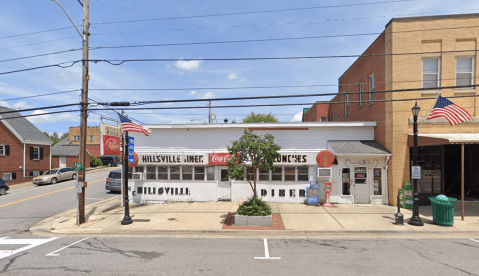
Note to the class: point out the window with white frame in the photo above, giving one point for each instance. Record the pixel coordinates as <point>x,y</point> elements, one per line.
<point>76,137</point>
<point>371,89</point>
<point>2,150</point>
<point>151,172</point>
<point>346,105</point>
<point>464,71</point>
<point>7,176</point>
<point>163,173</point>
<point>35,153</point>
<point>91,138</point>
<point>430,72</point>
<point>361,95</point>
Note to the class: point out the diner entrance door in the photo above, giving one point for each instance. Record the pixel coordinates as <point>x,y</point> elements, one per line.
<point>224,185</point>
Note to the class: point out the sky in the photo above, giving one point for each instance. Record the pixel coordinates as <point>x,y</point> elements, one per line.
<point>224,39</point>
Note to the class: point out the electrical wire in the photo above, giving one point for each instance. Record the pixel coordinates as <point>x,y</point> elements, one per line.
<point>42,55</point>
<point>42,95</point>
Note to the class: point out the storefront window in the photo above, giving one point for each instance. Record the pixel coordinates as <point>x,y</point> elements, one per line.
<point>187,173</point>
<point>360,175</point>
<point>130,172</point>
<point>151,172</point>
<point>277,174</point>
<point>346,181</point>
<point>263,175</point>
<point>139,169</point>
<point>377,181</point>
<point>289,173</point>
<point>174,173</point>
<point>210,173</point>
<point>163,173</point>
<point>199,173</point>
<point>303,173</point>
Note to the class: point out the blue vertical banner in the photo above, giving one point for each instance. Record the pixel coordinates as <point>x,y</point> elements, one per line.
<point>131,150</point>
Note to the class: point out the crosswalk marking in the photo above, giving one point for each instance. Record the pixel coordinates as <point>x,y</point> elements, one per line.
<point>53,253</point>
<point>31,243</point>
<point>266,253</point>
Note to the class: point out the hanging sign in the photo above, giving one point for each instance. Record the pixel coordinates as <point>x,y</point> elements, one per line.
<point>131,150</point>
<point>325,158</point>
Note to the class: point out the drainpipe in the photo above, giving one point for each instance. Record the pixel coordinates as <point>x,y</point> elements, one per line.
<point>24,161</point>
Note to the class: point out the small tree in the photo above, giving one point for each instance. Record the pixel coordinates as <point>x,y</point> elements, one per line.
<point>259,118</point>
<point>252,148</point>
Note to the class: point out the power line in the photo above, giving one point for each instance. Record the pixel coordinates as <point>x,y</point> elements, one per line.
<point>36,43</point>
<point>41,55</point>
<point>42,95</point>
<point>39,32</point>
<point>38,108</point>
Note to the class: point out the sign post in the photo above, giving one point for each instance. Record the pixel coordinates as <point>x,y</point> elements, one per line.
<point>416,172</point>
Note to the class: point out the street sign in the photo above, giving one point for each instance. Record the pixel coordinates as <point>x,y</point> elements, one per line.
<point>78,186</point>
<point>78,167</point>
<point>416,172</point>
<point>131,150</point>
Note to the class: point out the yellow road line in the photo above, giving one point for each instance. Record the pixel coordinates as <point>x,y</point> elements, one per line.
<point>30,198</point>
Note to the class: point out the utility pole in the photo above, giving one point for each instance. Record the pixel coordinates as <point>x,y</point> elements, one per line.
<point>84,105</point>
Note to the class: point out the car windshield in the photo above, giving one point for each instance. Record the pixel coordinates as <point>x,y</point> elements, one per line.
<point>51,172</point>
<point>115,175</point>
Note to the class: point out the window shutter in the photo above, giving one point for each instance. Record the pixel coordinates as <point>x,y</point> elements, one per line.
<point>41,172</point>
<point>7,149</point>
<point>14,175</point>
<point>31,153</point>
<point>31,173</point>
<point>41,153</point>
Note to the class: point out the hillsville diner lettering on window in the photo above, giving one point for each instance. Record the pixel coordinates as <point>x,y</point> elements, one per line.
<point>171,159</point>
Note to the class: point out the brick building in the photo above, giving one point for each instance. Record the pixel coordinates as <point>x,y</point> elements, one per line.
<point>24,149</point>
<point>64,154</point>
<point>417,53</point>
<point>92,142</point>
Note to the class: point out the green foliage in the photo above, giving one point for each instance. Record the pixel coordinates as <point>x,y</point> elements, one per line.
<point>251,148</point>
<point>254,207</point>
<point>94,162</point>
<point>55,137</point>
<point>259,118</point>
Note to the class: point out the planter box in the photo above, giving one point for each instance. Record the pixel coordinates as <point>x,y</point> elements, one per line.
<point>253,220</point>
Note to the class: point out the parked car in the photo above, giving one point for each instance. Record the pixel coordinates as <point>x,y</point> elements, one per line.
<point>110,161</point>
<point>3,187</point>
<point>54,176</point>
<point>113,181</point>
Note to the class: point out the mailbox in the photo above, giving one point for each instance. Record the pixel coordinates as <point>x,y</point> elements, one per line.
<point>312,194</point>
<point>327,193</point>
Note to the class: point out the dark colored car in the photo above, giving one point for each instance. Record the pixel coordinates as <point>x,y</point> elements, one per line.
<point>113,181</point>
<point>110,161</point>
<point>3,187</point>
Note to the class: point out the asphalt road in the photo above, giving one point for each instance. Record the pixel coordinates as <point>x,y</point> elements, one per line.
<point>24,254</point>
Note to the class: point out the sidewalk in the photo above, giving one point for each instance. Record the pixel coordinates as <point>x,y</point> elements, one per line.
<point>207,220</point>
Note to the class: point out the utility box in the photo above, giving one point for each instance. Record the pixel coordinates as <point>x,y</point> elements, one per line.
<point>405,198</point>
<point>312,195</point>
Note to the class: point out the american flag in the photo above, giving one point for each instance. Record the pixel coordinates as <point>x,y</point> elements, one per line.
<point>449,110</point>
<point>129,125</point>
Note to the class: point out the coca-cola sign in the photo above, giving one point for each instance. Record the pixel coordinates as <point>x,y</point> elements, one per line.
<point>111,145</point>
<point>219,158</point>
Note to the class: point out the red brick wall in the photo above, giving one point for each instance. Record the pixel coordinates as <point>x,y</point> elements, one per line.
<point>359,72</point>
<point>13,162</point>
<point>94,150</point>
<point>70,161</point>
<point>317,111</point>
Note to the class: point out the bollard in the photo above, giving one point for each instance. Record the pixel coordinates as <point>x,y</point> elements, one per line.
<point>398,216</point>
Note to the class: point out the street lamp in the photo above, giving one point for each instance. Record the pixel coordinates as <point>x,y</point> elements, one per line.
<point>415,220</point>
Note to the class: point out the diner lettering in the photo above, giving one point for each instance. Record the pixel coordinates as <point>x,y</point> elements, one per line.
<point>173,159</point>
<point>291,158</point>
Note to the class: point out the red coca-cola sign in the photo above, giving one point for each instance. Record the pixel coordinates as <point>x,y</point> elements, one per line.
<point>111,145</point>
<point>219,158</point>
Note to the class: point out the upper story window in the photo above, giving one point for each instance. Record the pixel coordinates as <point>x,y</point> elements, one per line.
<point>76,137</point>
<point>346,105</point>
<point>361,95</point>
<point>464,71</point>
<point>371,89</point>
<point>430,72</point>
<point>91,138</point>
<point>4,150</point>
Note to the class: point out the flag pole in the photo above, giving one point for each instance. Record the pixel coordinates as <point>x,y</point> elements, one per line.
<point>429,111</point>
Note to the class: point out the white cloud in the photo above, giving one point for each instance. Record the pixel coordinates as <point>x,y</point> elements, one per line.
<point>192,93</point>
<point>48,118</point>
<point>190,65</point>
<point>208,95</point>
<point>5,104</point>
<point>22,105</point>
<point>234,76</point>
<point>298,117</point>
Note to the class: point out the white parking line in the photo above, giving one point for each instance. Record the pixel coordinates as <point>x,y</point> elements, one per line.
<point>31,243</point>
<point>474,240</point>
<point>266,253</point>
<point>53,253</point>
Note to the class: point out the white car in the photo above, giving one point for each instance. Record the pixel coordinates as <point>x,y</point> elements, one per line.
<point>54,176</point>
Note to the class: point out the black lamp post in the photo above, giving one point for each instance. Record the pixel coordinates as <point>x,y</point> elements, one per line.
<point>415,220</point>
<point>126,218</point>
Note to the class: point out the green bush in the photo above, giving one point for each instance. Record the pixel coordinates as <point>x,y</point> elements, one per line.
<point>254,207</point>
<point>94,162</point>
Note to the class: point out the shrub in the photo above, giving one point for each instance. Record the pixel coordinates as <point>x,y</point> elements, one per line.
<point>254,207</point>
<point>94,162</point>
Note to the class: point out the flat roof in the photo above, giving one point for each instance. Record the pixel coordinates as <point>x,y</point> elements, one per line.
<point>267,125</point>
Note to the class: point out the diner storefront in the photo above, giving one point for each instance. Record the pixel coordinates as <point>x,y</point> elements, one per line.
<point>188,163</point>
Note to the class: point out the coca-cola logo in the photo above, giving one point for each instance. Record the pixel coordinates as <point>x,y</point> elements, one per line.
<point>217,158</point>
<point>112,145</point>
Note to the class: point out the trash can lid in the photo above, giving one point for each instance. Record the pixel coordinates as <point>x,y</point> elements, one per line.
<point>441,197</point>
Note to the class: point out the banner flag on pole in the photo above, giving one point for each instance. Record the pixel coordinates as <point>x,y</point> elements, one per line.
<point>453,113</point>
<point>129,125</point>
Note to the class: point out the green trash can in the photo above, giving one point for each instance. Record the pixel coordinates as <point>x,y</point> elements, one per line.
<point>442,210</point>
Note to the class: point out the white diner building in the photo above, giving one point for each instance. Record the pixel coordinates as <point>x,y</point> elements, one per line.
<point>188,163</point>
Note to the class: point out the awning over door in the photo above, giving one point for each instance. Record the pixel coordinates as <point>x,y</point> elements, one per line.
<point>431,139</point>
